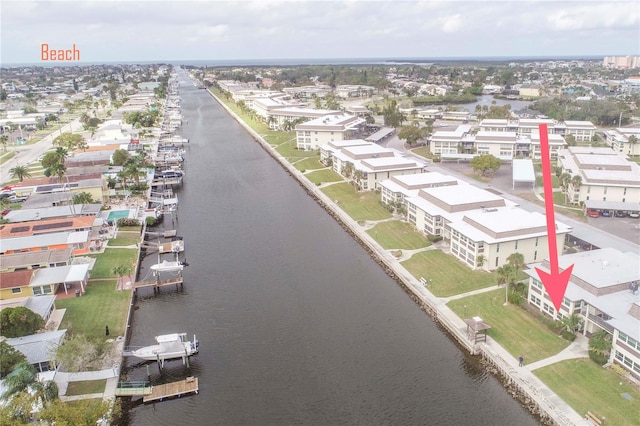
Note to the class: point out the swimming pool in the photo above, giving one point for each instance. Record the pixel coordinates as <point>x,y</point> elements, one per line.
<point>117,214</point>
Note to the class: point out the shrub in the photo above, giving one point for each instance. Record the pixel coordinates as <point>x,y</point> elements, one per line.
<point>434,238</point>
<point>619,370</point>
<point>125,221</point>
<point>598,358</point>
<point>151,221</point>
<point>568,336</point>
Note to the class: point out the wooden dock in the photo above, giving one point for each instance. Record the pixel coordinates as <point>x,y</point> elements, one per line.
<point>170,390</point>
<point>158,283</point>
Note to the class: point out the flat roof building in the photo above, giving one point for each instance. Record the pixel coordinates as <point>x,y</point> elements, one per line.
<point>603,291</point>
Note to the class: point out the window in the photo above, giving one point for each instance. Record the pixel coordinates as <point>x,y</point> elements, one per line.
<point>536,241</point>
<point>16,290</point>
<point>497,249</point>
<point>516,244</point>
<point>535,255</point>
<point>496,261</point>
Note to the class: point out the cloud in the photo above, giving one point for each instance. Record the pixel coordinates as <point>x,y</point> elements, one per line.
<point>310,28</point>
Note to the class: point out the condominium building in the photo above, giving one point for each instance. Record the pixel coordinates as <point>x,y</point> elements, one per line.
<point>482,228</point>
<point>582,131</point>
<point>398,188</point>
<point>505,145</point>
<point>605,175</point>
<point>354,91</point>
<point>369,164</point>
<point>321,131</point>
<point>624,139</point>
<point>603,291</point>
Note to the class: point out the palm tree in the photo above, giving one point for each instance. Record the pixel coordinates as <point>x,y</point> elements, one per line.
<point>576,181</point>
<point>4,139</point>
<point>22,376</point>
<point>504,273</point>
<point>516,261</point>
<point>572,323</point>
<point>481,259</point>
<point>20,173</point>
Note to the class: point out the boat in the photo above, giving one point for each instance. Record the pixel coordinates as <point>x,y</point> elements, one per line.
<point>166,266</point>
<point>169,346</point>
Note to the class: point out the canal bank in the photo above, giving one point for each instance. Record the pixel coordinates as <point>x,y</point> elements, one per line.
<point>522,384</point>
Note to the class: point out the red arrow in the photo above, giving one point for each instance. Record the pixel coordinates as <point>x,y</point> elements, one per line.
<point>554,282</point>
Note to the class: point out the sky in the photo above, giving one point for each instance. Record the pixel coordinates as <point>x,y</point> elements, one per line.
<point>130,31</point>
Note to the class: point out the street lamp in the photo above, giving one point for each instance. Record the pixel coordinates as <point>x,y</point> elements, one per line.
<point>465,311</point>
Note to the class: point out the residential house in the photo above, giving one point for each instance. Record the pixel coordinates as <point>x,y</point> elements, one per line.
<point>39,348</point>
<point>45,281</point>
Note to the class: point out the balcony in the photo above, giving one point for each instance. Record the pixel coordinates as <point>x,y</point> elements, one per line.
<point>601,323</point>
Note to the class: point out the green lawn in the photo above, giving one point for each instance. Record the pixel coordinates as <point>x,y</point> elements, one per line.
<point>125,239</point>
<point>585,386</point>
<point>358,205</point>
<point>101,305</point>
<point>289,150</point>
<point>447,276</point>
<point>511,326</point>
<point>110,258</point>
<point>423,151</point>
<point>398,235</point>
<point>86,387</point>
<point>321,176</point>
<point>309,164</point>
<point>6,156</point>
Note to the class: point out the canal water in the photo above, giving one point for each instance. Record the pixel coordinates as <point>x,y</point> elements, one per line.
<point>297,324</point>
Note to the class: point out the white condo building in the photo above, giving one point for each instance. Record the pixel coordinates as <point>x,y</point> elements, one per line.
<point>321,131</point>
<point>480,225</point>
<point>366,163</point>
<point>605,175</point>
<point>601,291</point>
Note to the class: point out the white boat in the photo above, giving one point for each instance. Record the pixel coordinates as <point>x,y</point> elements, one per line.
<point>170,346</point>
<point>166,266</point>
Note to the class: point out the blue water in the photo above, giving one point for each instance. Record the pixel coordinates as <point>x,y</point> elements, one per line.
<point>320,61</point>
<point>117,214</point>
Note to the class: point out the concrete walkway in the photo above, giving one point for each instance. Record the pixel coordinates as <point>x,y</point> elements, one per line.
<point>579,348</point>
<point>470,293</point>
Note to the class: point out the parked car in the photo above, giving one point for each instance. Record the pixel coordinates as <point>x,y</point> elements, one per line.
<point>6,194</point>
<point>593,213</point>
<point>634,215</point>
<point>620,213</point>
<point>5,212</point>
<point>606,213</point>
<point>17,199</point>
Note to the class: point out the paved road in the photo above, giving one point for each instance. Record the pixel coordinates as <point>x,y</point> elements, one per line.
<point>29,153</point>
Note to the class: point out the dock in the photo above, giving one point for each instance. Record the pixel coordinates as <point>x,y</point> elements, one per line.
<point>136,388</point>
<point>170,390</point>
<point>158,283</point>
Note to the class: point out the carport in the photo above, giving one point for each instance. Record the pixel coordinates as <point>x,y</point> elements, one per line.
<point>522,171</point>
<point>612,206</point>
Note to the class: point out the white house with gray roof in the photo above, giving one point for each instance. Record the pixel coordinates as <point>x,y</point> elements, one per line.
<point>603,290</point>
<point>39,348</point>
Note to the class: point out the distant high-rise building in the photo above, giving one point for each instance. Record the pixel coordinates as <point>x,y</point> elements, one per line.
<point>622,62</point>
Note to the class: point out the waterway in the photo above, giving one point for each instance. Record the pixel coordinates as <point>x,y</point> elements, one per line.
<point>297,324</point>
